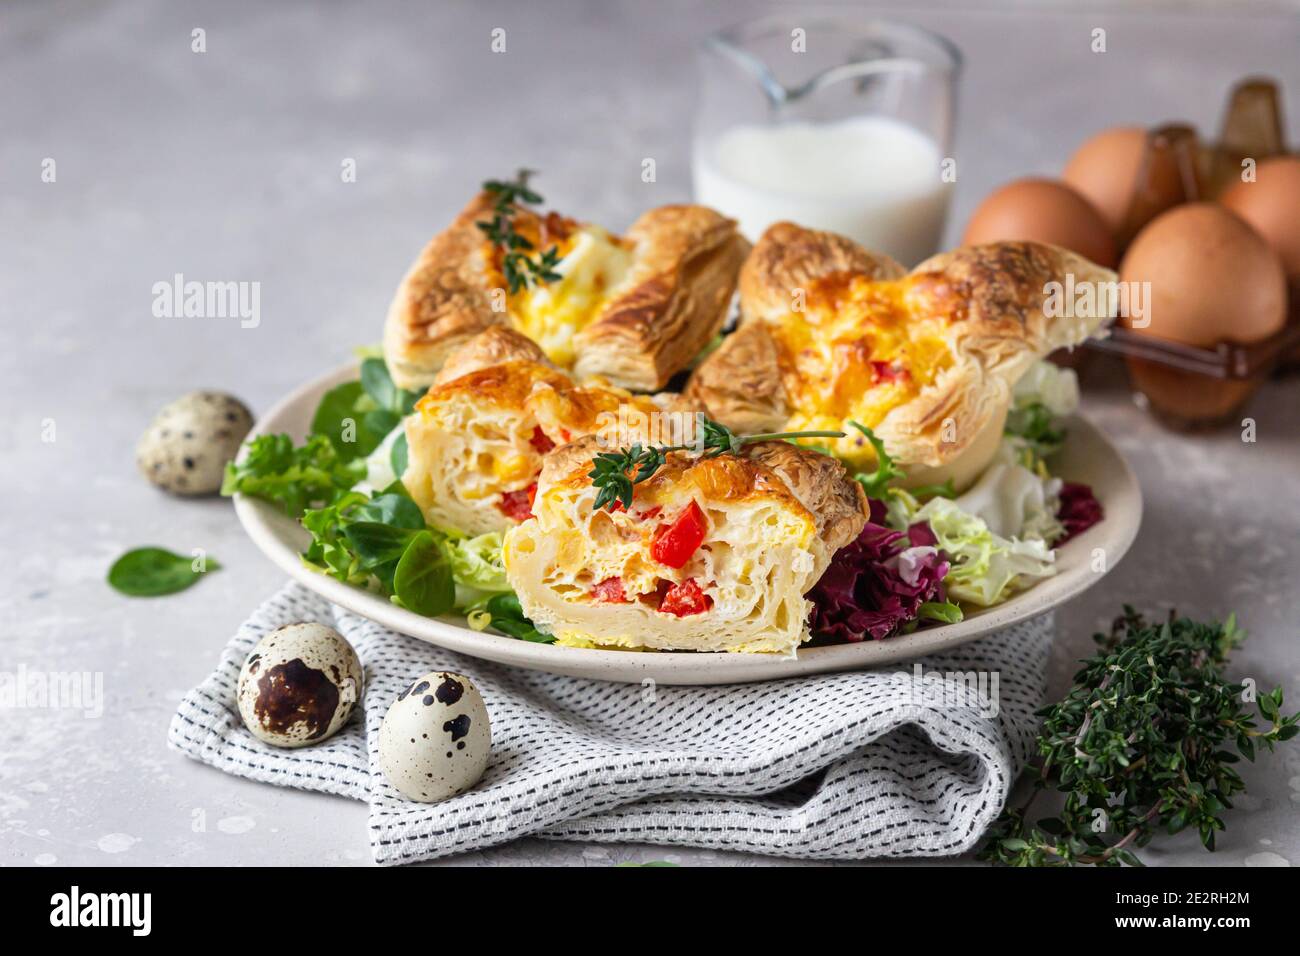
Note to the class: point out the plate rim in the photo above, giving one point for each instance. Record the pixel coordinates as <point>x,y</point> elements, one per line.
<point>258,519</point>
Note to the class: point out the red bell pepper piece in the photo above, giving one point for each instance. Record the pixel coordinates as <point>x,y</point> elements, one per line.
<point>685,599</point>
<point>673,544</point>
<point>610,591</point>
<point>518,505</point>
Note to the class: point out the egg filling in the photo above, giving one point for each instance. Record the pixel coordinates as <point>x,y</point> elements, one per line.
<point>632,578</point>
<point>551,313</point>
<point>856,352</point>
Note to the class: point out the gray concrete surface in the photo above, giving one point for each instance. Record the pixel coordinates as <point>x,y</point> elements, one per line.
<point>226,166</point>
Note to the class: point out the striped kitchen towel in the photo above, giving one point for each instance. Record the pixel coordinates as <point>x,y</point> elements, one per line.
<point>913,760</point>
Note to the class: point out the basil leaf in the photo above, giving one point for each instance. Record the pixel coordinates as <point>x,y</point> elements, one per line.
<point>152,572</point>
<point>399,456</point>
<point>422,582</point>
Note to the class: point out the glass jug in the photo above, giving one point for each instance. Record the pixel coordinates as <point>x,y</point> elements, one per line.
<point>835,122</point>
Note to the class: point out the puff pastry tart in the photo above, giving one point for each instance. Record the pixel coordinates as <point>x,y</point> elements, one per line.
<point>831,333</point>
<point>478,436</point>
<point>715,554</point>
<point>634,309</point>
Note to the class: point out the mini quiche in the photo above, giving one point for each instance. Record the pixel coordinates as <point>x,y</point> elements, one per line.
<point>634,309</point>
<point>477,438</point>
<point>715,554</point>
<point>830,334</point>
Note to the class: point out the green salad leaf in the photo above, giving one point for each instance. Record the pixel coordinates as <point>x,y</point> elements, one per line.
<point>1040,400</point>
<point>380,542</point>
<point>153,572</point>
<point>875,483</point>
<point>1038,430</point>
<point>296,478</point>
<point>399,455</point>
<point>945,612</point>
<point>507,616</point>
<point>356,416</point>
<point>477,564</point>
<point>423,580</point>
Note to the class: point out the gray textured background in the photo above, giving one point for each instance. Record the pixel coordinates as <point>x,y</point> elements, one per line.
<point>226,165</point>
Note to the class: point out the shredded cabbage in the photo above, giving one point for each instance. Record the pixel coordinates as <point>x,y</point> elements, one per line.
<point>1015,502</point>
<point>985,567</point>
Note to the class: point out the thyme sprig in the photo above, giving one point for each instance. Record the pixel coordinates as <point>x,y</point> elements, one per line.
<point>615,473</point>
<point>1143,743</point>
<point>519,268</point>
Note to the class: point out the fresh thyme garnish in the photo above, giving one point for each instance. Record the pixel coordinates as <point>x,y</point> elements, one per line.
<point>616,472</point>
<point>1142,743</point>
<point>520,269</point>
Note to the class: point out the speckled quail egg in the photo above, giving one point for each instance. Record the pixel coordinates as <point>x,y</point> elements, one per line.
<point>435,739</point>
<point>299,685</point>
<point>185,448</point>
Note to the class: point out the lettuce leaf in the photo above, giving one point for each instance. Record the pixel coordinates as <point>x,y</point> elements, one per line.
<point>477,568</point>
<point>1014,502</point>
<point>985,567</point>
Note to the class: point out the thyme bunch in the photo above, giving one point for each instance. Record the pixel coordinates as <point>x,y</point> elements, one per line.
<point>1142,744</point>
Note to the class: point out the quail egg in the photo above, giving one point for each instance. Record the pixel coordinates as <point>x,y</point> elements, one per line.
<point>185,448</point>
<point>435,739</point>
<point>299,685</point>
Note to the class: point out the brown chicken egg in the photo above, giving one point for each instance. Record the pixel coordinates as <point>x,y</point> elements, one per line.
<point>1271,204</point>
<point>1212,278</point>
<point>1042,210</point>
<point>1104,171</point>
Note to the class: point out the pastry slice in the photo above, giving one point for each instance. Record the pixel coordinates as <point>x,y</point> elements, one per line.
<point>477,438</point>
<point>634,309</point>
<point>831,334</point>
<point>714,554</point>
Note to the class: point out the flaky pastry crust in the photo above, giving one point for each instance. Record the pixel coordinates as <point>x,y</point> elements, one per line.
<point>672,302</point>
<point>977,314</point>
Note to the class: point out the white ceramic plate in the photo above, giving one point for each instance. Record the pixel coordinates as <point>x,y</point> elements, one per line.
<point>1088,457</point>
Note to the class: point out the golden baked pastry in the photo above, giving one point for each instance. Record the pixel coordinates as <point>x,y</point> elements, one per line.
<point>714,554</point>
<point>830,334</point>
<point>634,309</point>
<point>477,438</point>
